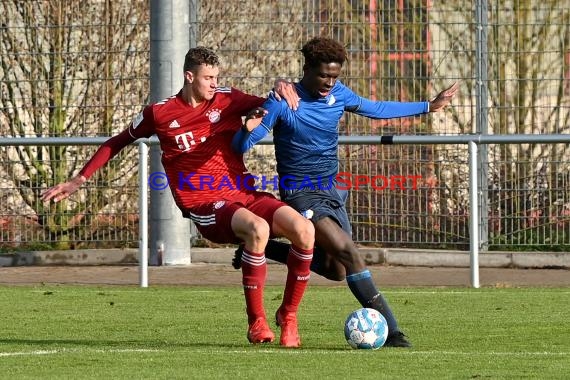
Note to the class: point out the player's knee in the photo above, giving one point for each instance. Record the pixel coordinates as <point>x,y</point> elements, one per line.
<point>259,230</point>
<point>347,253</point>
<point>343,248</point>
<point>303,234</point>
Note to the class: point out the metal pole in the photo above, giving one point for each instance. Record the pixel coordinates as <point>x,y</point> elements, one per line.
<point>363,140</point>
<point>143,215</point>
<point>482,118</point>
<point>169,42</point>
<point>474,215</point>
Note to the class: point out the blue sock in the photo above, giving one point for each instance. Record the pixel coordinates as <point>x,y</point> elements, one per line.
<point>363,288</point>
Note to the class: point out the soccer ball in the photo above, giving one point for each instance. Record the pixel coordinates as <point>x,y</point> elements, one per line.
<point>366,328</point>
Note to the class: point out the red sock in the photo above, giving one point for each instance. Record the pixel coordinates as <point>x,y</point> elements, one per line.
<point>254,271</point>
<point>298,265</point>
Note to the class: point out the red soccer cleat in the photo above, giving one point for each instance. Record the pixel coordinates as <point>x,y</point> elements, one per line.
<point>289,332</point>
<point>259,332</point>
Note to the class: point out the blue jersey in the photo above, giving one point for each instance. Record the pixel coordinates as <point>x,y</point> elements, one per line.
<point>306,140</point>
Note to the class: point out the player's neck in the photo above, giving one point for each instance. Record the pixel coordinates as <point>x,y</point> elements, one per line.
<point>189,98</point>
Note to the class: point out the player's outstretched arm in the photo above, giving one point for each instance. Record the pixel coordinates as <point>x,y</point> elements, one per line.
<point>63,190</point>
<point>443,99</point>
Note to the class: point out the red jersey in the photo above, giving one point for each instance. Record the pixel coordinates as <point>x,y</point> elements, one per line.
<point>196,145</point>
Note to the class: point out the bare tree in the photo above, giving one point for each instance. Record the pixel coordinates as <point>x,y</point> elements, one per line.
<point>68,68</point>
<point>528,45</point>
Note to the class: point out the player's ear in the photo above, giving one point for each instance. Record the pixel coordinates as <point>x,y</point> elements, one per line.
<point>189,76</point>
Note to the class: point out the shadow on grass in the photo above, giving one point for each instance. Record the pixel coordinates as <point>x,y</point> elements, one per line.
<point>145,344</point>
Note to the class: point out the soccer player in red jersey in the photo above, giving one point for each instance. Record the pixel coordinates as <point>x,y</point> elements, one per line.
<point>195,128</point>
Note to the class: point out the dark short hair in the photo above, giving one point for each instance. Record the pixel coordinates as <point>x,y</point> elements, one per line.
<point>200,55</point>
<point>323,50</point>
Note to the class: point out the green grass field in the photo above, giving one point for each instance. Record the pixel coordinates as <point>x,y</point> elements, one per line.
<point>74,332</point>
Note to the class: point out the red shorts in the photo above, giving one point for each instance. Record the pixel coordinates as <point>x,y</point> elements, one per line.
<point>214,219</point>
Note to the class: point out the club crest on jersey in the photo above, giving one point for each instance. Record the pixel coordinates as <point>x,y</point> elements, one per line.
<point>219,204</point>
<point>214,115</point>
<point>331,100</point>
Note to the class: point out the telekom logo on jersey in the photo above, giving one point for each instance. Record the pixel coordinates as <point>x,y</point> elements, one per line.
<point>186,140</point>
<point>341,181</point>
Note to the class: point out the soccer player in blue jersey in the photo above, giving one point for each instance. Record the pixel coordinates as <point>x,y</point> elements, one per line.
<point>306,145</point>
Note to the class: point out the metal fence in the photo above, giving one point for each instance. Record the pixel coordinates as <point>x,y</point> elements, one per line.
<point>80,68</point>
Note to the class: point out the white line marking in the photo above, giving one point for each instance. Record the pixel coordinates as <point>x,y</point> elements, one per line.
<point>126,350</point>
<point>279,351</point>
<point>517,353</point>
<point>310,351</point>
<point>39,352</point>
<point>68,351</point>
<point>475,292</point>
